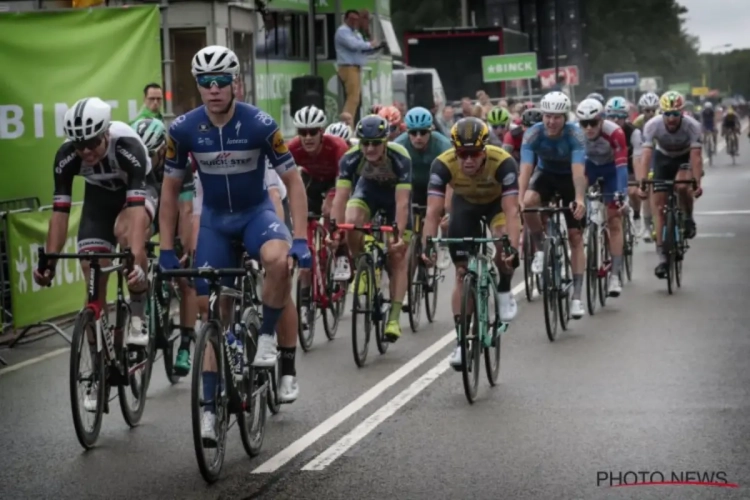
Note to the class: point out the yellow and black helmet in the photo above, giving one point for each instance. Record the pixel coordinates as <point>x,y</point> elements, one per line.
<point>470,133</point>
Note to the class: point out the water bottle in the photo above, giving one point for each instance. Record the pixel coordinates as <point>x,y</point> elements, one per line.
<point>236,351</point>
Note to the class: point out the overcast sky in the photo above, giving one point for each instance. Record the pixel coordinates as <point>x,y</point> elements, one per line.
<point>718,22</point>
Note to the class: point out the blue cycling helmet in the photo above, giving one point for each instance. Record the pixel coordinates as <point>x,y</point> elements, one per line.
<point>617,106</point>
<point>418,119</point>
<point>373,128</point>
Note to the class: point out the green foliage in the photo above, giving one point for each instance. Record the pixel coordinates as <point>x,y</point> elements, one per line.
<point>728,72</point>
<point>414,14</point>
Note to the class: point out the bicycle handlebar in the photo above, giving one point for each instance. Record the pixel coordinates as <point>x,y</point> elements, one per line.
<point>546,210</point>
<point>365,228</point>
<point>44,258</point>
<point>202,272</point>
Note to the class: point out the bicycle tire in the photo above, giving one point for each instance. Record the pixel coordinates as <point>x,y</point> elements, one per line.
<point>550,291</point>
<point>470,344</point>
<point>86,318</point>
<point>679,242</point>
<point>628,246</point>
<point>363,272</point>
<point>253,381</point>
<point>668,247</point>
<point>528,256</point>
<point>592,269</point>
<point>414,287</point>
<point>432,277</point>
<point>606,258</point>
<point>379,321</point>
<point>306,337</point>
<point>167,331</point>
<point>210,332</point>
<point>332,313</point>
<point>492,353</point>
<point>137,384</point>
<point>566,274</point>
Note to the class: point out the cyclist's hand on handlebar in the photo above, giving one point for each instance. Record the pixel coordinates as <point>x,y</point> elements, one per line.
<point>429,260</point>
<point>579,209</point>
<point>333,240</point>
<point>45,277</point>
<point>398,246</point>
<point>168,259</point>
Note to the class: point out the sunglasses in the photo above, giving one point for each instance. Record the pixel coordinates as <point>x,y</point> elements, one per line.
<point>650,111</point>
<point>419,133</point>
<point>469,153</point>
<point>308,132</point>
<point>220,80</point>
<point>90,144</point>
<point>371,142</point>
<point>672,114</point>
<point>498,126</point>
<point>589,123</point>
<point>617,116</point>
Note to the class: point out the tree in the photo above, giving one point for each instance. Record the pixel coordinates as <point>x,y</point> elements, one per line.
<point>414,14</point>
<point>728,72</point>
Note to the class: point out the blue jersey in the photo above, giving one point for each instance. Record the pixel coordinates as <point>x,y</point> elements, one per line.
<point>231,159</point>
<point>554,155</point>
<point>421,160</point>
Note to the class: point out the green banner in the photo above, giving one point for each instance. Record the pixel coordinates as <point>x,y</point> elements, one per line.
<point>682,88</point>
<point>52,59</point>
<point>27,231</point>
<point>509,67</point>
<point>329,6</point>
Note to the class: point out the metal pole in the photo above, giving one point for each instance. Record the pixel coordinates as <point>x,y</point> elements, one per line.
<point>557,39</point>
<point>167,61</point>
<point>311,38</point>
<point>464,13</point>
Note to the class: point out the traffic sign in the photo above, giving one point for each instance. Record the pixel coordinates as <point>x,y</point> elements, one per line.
<point>651,83</point>
<point>568,74</point>
<point>700,91</point>
<point>621,80</point>
<point>507,67</point>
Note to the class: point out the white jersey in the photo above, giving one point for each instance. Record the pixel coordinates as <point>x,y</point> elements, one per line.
<point>274,181</point>
<point>674,144</point>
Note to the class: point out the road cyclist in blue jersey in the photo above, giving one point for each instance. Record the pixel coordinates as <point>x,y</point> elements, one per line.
<point>424,145</point>
<point>560,154</point>
<point>231,143</point>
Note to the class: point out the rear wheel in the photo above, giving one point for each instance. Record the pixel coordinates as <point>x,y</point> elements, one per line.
<point>306,309</point>
<point>432,276</point>
<point>592,268</point>
<point>336,293</point>
<point>416,281</point>
<point>563,281</point>
<point>605,267</point>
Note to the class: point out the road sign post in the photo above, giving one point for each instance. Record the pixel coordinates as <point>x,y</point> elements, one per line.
<point>503,68</point>
<point>613,81</point>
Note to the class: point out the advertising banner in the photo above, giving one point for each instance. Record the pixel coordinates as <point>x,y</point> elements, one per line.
<point>509,67</point>
<point>27,231</point>
<point>52,59</point>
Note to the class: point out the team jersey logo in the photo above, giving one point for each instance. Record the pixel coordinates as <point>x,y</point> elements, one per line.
<point>278,144</point>
<point>171,151</point>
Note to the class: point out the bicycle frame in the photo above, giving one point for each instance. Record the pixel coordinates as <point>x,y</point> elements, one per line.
<point>319,253</point>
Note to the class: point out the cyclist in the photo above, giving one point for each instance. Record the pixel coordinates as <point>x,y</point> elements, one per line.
<point>384,170</point>
<point>498,119</point>
<point>118,204</point>
<point>691,111</point>
<point>597,97</point>
<point>395,122</point>
<point>153,133</point>
<point>557,147</point>
<point>617,111</point>
<point>674,141</point>
<point>231,142</point>
<point>483,181</point>
<point>708,120</point>
<point>514,137</point>
<point>649,106</point>
<point>342,130</point>
<point>606,158</point>
<point>730,125</point>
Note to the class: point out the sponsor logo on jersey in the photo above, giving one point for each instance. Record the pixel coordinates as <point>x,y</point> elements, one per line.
<point>509,179</point>
<point>65,161</point>
<point>129,156</point>
<point>204,127</point>
<point>171,150</point>
<point>236,141</point>
<point>264,118</point>
<point>228,162</point>
<point>278,144</point>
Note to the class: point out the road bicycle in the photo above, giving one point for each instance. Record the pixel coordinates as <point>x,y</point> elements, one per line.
<point>709,146</point>
<point>674,243</point>
<point>115,364</point>
<point>241,389</point>
<point>531,281</point>
<point>732,145</point>
<point>423,280</point>
<point>327,295</point>
<point>368,301</point>
<point>479,327</point>
<point>598,256</point>
<point>557,274</point>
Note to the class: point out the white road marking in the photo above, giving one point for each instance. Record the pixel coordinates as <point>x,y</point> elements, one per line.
<point>725,212</point>
<point>327,457</point>
<point>715,235</point>
<point>32,361</point>
<point>287,454</point>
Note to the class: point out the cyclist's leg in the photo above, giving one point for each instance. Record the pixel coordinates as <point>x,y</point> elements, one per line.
<point>540,192</point>
<point>685,193</point>
<point>575,237</point>
<point>188,299</point>
<point>614,223</point>
<point>359,209</point>
<point>496,220</point>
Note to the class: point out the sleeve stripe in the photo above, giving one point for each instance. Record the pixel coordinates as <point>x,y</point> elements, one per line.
<point>435,192</point>
<point>513,192</point>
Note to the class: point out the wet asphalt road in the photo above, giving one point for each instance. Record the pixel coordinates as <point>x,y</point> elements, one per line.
<point>652,383</point>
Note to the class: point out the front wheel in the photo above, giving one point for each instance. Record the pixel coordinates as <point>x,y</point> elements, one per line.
<point>629,244</point>
<point>592,268</point>
<point>471,346</point>
<point>605,267</point>
<point>362,304</point>
<point>416,283</point>
<point>306,315</point>
<point>549,285</point>
<point>494,330</point>
<point>251,418</point>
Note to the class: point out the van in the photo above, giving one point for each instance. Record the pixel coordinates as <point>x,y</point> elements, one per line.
<point>398,80</point>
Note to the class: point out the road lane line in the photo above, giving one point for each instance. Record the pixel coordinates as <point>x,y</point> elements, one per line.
<point>724,212</point>
<point>287,454</point>
<point>32,361</point>
<point>368,425</point>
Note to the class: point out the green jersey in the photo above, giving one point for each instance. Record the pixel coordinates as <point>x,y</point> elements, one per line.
<point>421,160</point>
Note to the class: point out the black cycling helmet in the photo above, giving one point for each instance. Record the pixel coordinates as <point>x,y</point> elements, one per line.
<point>470,133</point>
<point>373,128</point>
<point>597,96</point>
<point>531,117</point>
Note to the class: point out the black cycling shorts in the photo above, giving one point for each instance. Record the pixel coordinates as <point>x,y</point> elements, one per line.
<point>317,191</point>
<point>419,194</point>
<point>547,184</point>
<point>465,222</point>
<point>666,168</point>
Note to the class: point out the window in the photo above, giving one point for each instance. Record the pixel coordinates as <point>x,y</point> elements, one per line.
<point>390,37</point>
<point>284,37</point>
<point>243,47</point>
<point>185,43</point>
<point>321,36</point>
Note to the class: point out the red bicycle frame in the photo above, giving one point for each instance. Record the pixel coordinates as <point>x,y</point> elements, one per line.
<point>319,265</point>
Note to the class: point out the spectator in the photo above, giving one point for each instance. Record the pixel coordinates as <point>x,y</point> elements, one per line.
<point>153,99</point>
<point>401,107</point>
<point>466,108</point>
<point>503,103</point>
<point>478,112</point>
<point>351,52</point>
<point>445,121</point>
<point>484,101</point>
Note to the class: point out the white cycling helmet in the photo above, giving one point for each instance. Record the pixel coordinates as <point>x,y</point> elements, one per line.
<point>88,118</point>
<point>309,117</point>
<point>339,129</point>
<point>648,100</point>
<point>708,105</point>
<point>215,59</point>
<point>555,103</point>
<point>589,109</point>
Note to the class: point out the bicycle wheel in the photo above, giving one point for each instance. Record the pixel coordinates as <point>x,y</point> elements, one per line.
<point>668,247</point>
<point>170,333</point>
<point>415,282</point>
<point>471,346</point>
<point>94,383</point>
<point>564,283</point>
<point>380,313</point>
<point>592,268</point>
<point>528,257</point>
<point>251,418</point>
<point>628,245</point>
<point>431,282</point>
<point>134,382</point>
<point>362,304</point>
<point>605,263</point>
<point>210,456</point>
<point>306,335</point>
<point>679,250</point>
<point>550,290</point>
<point>336,293</point>
<point>494,329</point>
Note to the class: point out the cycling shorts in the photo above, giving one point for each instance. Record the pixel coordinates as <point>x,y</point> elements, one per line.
<point>709,127</point>
<point>253,227</point>
<point>465,222</point>
<point>373,197</point>
<point>317,191</point>
<point>608,174</point>
<point>419,194</point>
<point>547,184</point>
<point>667,167</point>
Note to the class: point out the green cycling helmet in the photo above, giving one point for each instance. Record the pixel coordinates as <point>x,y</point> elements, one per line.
<point>498,117</point>
<point>153,133</point>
